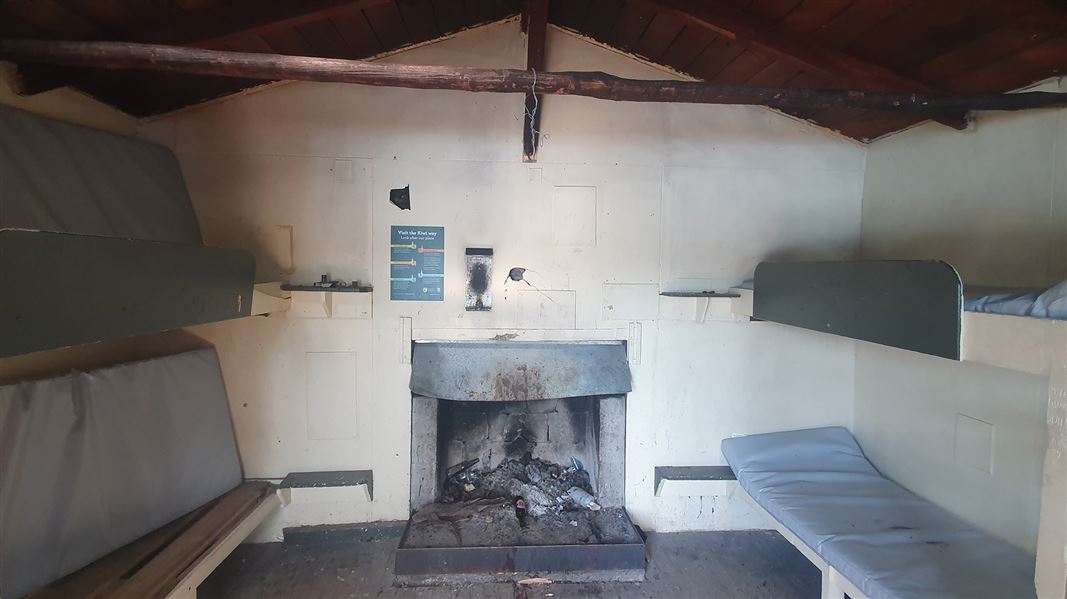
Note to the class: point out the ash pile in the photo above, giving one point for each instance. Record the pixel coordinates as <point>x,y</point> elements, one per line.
<point>540,488</point>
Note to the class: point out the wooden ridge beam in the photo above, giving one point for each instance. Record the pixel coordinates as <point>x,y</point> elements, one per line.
<point>535,23</point>
<point>766,35</point>
<point>195,61</point>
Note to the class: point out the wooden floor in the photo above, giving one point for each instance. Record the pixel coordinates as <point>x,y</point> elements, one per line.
<point>744,564</point>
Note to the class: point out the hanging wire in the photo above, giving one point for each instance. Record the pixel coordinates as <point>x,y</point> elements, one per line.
<point>535,134</point>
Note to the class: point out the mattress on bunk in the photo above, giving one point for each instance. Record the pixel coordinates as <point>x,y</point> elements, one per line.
<point>884,539</point>
<point>1048,304</point>
<point>73,179</point>
<point>91,461</point>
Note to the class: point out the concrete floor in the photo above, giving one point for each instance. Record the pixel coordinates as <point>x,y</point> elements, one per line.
<point>748,564</point>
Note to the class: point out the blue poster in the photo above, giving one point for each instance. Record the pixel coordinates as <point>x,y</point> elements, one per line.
<point>417,263</point>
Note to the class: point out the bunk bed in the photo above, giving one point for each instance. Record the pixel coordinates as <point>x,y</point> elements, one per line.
<point>920,306</point>
<point>98,240</point>
<point>870,537</point>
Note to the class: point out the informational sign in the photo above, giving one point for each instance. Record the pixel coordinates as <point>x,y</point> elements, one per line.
<point>417,263</point>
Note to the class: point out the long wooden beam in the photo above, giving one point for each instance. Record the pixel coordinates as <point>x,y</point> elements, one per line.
<point>195,61</point>
<point>223,23</point>
<point>736,24</point>
<point>535,23</point>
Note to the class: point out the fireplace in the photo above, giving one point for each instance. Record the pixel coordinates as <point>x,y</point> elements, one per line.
<point>518,463</point>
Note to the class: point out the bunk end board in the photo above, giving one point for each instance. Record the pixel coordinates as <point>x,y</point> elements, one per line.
<point>913,305</point>
<point>63,289</point>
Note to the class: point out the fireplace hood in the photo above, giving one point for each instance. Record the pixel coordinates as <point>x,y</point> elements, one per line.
<point>517,370</point>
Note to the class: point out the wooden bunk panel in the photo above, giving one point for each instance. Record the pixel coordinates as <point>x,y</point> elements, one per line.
<point>912,305</point>
<point>62,289</point>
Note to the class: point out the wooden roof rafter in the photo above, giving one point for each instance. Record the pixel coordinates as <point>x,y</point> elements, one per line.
<point>766,35</point>
<point>897,46</point>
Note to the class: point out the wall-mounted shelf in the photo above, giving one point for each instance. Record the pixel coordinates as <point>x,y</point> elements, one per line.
<point>704,294</point>
<point>330,304</point>
<point>698,306</point>
<point>269,298</point>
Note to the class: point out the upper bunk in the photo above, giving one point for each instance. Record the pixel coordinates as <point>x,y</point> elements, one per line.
<point>920,306</point>
<point>98,240</point>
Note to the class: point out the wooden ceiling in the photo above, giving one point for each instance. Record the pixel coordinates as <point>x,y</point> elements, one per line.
<point>924,46</point>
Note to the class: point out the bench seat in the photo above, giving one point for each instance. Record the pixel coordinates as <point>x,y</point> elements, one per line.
<point>173,560</point>
<point>883,539</point>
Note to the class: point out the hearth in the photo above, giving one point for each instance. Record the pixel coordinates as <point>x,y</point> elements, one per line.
<point>518,464</point>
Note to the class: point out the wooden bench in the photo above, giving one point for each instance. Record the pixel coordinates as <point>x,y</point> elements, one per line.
<point>173,560</point>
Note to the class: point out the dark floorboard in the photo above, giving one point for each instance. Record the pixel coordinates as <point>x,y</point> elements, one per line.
<point>748,564</point>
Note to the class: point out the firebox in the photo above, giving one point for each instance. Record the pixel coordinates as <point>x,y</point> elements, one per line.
<point>518,464</point>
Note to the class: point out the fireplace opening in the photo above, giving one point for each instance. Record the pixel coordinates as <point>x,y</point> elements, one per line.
<point>522,473</point>
<point>518,463</point>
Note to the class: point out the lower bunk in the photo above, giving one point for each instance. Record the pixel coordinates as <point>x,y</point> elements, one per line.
<point>870,537</point>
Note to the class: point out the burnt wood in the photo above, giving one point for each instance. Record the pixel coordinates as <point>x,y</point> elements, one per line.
<point>120,56</point>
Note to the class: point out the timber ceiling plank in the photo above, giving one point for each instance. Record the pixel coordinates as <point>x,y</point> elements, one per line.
<point>1037,62</point>
<point>744,67</point>
<point>872,126</point>
<point>568,13</point>
<point>717,56</point>
<point>324,39</point>
<point>776,74</point>
<point>449,15</point>
<point>418,19</point>
<point>243,17</point>
<point>856,21</point>
<point>686,47</point>
<point>773,10</point>
<point>287,41</point>
<point>900,45</point>
<point>634,19</point>
<point>600,19</point>
<point>478,11</point>
<point>250,43</point>
<point>387,24</point>
<point>357,33</point>
<point>862,74</point>
<point>13,25</point>
<point>810,15</point>
<point>106,14</point>
<point>1031,29</point>
<point>53,18</point>
<point>659,36</point>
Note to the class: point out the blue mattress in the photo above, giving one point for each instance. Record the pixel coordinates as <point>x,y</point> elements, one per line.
<point>1048,304</point>
<point>886,540</point>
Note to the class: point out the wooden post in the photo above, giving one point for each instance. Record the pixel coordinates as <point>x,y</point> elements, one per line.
<point>273,67</point>
<point>535,20</point>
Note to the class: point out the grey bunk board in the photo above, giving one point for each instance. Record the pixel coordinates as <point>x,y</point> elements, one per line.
<point>62,289</point>
<point>909,304</point>
<point>99,240</point>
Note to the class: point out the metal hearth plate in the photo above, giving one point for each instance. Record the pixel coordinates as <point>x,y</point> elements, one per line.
<point>614,562</point>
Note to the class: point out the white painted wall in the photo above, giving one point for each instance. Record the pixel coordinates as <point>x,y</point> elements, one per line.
<point>686,197</point>
<point>993,202</point>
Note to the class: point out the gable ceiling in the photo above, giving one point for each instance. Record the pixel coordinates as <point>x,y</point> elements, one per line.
<point>930,47</point>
